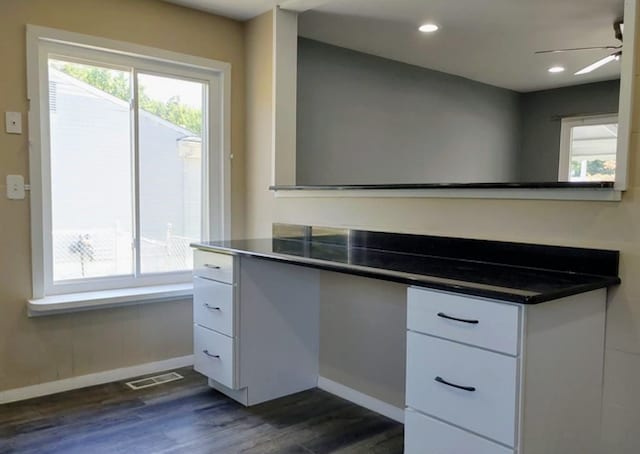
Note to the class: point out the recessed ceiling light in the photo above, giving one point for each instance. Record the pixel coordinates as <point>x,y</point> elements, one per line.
<point>428,28</point>
<point>556,69</point>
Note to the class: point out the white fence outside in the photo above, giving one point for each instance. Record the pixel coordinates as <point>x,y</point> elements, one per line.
<point>86,253</point>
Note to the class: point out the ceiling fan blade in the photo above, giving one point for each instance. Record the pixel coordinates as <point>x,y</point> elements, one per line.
<point>592,67</point>
<point>555,51</point>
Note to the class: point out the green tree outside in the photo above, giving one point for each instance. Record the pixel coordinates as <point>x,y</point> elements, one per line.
<point>600,167</point>
<point>117,84</point>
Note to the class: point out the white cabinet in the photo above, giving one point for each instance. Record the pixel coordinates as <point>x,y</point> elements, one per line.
<point>214,356</point>
<point>463,385</point>
<point>428,435</point>
<point>212,265</point>
<point>214,316</point>
<point>487,376</point>
<point>465,319</point>
<point>256,326</point>
<point>214,305</point>
<point>482,376</point>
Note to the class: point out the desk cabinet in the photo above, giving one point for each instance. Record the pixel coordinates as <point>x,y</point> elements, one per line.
<point>482,376</point>
<point>215,311</point>
<point>253,321</point>
<point>492,377</point>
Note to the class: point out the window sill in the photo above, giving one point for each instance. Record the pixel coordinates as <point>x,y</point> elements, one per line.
<point>74,302</point>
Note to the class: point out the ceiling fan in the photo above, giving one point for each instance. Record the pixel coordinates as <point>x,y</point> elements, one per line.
<point>618,28</point>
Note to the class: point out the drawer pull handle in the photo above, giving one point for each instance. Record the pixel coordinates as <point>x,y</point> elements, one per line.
<point>212,267</point>
<point>212,308</point>
<point>453,385</point>
<point>206,352</point>
<point>448,317</point>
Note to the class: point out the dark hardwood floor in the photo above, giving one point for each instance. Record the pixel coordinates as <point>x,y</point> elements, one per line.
<point>187,416</point>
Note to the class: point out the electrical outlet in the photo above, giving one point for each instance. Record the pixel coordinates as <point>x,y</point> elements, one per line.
<point>15,187</point>
<point>13,122</point>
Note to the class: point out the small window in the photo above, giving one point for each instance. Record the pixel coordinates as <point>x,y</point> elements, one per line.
<point>131,165</point>
<point>588,148</point>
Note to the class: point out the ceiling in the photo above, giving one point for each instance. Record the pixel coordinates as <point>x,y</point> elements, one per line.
<point>236,9</point>
<point>490,41</point>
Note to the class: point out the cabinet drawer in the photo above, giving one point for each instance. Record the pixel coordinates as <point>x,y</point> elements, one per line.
<point>213,266</point>
<point>485,324</point>
<point>487,407</point>
<point>423,434</point>
<point>214,356</point>
<point>213,305</point>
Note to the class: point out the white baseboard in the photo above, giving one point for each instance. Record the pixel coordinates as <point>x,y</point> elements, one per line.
<point>99,378</point>
<point>364,400</point>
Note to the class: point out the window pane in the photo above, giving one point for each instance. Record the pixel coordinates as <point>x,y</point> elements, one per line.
<point>170,134</point>
<point>593,152</point>
<point>91,171</point>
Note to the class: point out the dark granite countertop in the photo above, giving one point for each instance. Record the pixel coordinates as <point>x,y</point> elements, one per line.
<point>518,284</point>
<point>392,186</point>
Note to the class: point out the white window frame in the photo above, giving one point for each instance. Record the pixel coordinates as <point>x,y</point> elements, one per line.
<point>44,42</point>
<point>568,124</point>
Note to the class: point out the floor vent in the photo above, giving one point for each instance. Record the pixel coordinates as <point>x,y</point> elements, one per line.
<point>154,381</point>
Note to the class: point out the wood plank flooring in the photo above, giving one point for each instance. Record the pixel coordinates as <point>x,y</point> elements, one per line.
<point>187,416</point>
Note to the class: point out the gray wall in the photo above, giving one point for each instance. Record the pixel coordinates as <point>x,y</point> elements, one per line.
<point>366,119</point>
<point>539,152</point>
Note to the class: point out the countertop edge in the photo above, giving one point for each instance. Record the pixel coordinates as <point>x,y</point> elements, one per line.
<point>415,279</point>
<point>392,186</point>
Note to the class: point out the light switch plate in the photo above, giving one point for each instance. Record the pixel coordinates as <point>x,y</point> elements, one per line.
<point>15,187</point>
<point>13,122</point>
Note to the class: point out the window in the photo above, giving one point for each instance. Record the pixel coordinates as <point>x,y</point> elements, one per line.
<point>130,165</point>
<point>588,148</point>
